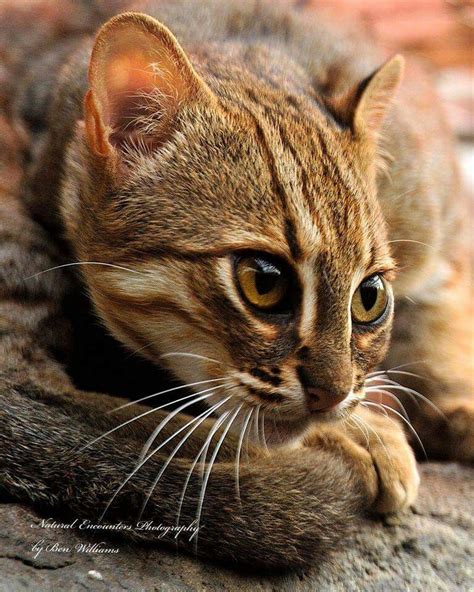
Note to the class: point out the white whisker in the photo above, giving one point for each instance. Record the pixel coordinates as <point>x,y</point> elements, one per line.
<point>369,427</point>
<point>168,418</point>
<point>409,374</point>
<point>407,240</point>
<point>256,426</point>
<point>354,419</point>
<point>208,472</point>
<point>145,413</point>
<point>170,390</point>
<point>413,394</point>
<point>263,433</point>
<point>412,429</point>
<point>144,461</point>
<point>84,263</point>
<point>190,355</point>
<point>199,420</point>
<point>237,454</point>
<point>391,395</point>
<point>213,430</point>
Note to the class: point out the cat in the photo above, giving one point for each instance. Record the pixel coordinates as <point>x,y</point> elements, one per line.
<point>252,198</point>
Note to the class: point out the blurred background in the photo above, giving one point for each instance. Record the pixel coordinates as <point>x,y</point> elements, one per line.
<point>441,32</point>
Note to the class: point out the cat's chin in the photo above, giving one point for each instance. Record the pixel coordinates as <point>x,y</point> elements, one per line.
<point>287,431</point>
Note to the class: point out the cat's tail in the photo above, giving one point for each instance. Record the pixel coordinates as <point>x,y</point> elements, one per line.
<point>293,512</point>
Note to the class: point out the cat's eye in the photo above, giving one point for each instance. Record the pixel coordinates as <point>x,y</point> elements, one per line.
<point>369,301</point>
<point>263,282</point>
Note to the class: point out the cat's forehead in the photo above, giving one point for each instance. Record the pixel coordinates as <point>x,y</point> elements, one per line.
<point>254,180</point>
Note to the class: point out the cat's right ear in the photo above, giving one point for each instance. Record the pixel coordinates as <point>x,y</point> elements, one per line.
<point>139,78</point>
<point>365,106</point>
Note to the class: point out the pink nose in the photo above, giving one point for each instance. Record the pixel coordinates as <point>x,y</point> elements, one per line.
<point>320,399</point>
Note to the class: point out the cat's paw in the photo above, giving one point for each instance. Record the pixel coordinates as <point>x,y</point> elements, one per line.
<point>380,456</point>
<point>337,441</point>
<point>392,457</point>
<point>394,461</point>
<point>398,476</point>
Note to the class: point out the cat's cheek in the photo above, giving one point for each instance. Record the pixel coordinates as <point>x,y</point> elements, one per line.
<point>369,348</point>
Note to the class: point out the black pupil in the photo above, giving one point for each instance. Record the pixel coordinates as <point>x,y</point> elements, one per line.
<point>266,276</point>
<point>368,295</point>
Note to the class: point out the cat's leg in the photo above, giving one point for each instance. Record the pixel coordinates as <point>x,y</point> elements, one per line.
<point>388,452</point>
<point>431,353</point>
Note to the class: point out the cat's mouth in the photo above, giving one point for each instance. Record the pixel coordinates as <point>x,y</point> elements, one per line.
<point>280,425</point>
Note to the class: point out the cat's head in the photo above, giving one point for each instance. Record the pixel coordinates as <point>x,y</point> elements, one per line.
<point>239,219</point>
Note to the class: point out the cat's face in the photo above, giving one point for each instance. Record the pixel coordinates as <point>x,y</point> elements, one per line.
<point>251,253</point>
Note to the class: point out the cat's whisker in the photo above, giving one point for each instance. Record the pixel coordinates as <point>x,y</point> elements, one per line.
<point>238,451</point>
<point>354,419</point>
<point>405,373</point>
<point>140,349</point>
<point>391,395</point>
<point>387,373</point>
<point>212,431</point>
<point>144,461</point>
<point>407,240</point>
<point>247,440</point>
<point>198,421</point>
<point>76,263</point>
<point>145,413</point>
<point>413,395</point>
<point>416,362</point>
<point>386,383</point>
<point>209,469</point>
<point>369,427</point>
<point>263,433</point>
<point>170,390</point>
<point>403,194</point>
<point>408,423</point>
<point>256,425</point>
<point>169,417</point>
<point>191,355</point>
<point>205,451</point>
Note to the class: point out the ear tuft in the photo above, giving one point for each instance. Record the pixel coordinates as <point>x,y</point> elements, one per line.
<point>139,77</point>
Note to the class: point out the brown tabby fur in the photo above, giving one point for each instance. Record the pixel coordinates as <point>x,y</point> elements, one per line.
<point>257,135</point>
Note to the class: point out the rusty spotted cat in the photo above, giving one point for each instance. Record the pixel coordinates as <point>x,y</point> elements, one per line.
<point>268,210</point>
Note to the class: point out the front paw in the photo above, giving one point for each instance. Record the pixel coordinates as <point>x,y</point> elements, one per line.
<point>393,459</point>
<point>398,477</point>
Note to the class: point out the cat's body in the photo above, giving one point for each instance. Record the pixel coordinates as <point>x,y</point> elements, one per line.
<point>253,141</point>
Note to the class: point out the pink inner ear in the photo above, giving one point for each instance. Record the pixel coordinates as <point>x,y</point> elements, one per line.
<point>135,67</point>
<point>139,76</point>
<point>128,74</point>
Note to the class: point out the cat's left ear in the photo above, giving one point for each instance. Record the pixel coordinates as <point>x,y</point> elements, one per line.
<point>365,107</point>
<point>139,79</point>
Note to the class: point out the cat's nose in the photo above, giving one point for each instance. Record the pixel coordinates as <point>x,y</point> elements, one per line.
<point>320,399</point>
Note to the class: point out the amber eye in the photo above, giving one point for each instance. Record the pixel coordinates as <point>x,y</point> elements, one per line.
<point>369,301</point>
<point>263,283</point>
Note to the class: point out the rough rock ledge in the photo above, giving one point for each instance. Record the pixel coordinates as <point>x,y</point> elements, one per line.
<point>428,549</point>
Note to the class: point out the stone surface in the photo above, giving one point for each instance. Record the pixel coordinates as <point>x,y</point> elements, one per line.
<point>429,549</point>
